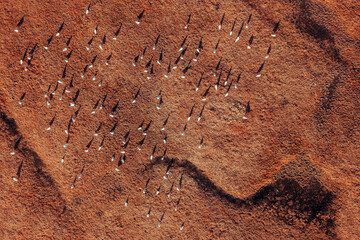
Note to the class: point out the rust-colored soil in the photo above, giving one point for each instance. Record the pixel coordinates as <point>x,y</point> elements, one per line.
<point>280,152</point>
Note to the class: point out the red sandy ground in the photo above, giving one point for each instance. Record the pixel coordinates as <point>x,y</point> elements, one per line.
<point>288,171</point>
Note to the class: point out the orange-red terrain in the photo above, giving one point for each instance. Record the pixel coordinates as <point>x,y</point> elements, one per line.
<point>278,127</point>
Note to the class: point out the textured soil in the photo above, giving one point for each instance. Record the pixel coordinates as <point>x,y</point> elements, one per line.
<point>280,152</point>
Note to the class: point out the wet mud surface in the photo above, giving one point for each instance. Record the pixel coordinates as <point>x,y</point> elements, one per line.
<point>179,120</point>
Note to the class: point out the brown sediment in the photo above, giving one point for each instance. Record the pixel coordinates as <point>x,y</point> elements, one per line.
<point>288,170</point>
